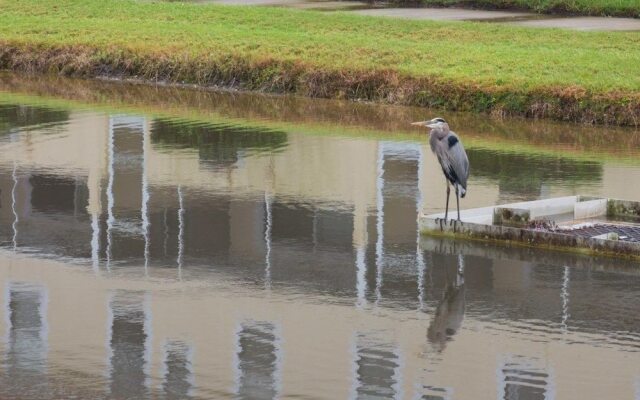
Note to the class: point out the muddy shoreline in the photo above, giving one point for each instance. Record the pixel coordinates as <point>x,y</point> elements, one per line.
<point>563,103</point>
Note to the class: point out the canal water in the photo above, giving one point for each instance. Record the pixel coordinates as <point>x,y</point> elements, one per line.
<point>174,243</point>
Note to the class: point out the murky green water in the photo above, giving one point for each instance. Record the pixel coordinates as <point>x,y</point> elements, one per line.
<point>169,243</point>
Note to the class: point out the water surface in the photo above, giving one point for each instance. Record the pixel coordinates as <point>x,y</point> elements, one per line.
<point>171,243</point>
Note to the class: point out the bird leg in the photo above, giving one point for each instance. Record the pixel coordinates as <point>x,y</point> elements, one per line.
<point>460,275</point>
<point>458,203</point>
<point>446,210</point>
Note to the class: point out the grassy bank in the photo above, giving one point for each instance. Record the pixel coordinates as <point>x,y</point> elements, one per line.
<point>611,8</point>
<point>503,70</point>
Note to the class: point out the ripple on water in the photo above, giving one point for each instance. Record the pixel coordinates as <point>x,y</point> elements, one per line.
<point>237,246</point>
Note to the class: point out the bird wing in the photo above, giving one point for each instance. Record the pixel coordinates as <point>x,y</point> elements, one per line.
<point>456,160</point>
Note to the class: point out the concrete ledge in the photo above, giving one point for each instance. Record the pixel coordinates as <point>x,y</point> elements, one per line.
<point>623,208</point>
<point>590,208</point>
<point>537,224</point>
<point>509,216</point>
<point>450,246</point>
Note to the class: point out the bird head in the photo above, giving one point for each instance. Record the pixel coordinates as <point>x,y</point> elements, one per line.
<point>436,123</point>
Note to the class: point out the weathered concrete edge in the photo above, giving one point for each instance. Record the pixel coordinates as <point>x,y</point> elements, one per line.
<point>488,249</point>
<point>567,103</point>
<point>510,236</point>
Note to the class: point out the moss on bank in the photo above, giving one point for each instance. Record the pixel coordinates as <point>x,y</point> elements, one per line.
<point>582,77</point>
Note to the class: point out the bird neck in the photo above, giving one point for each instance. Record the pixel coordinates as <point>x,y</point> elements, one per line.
<point>438,133</point>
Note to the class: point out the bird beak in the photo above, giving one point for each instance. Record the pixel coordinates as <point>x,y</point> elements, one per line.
<point>428,124</point>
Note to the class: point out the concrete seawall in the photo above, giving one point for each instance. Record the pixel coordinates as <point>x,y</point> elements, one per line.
<point>574,223</point>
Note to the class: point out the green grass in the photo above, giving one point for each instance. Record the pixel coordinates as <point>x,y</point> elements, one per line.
<point>617,8</point>
<point>588,76</point>
<point>479,53</point>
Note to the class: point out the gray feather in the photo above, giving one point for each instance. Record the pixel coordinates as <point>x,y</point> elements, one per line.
<point>453,159</point>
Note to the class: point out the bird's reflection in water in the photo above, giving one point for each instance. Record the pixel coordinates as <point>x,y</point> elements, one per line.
<point>449,314</point>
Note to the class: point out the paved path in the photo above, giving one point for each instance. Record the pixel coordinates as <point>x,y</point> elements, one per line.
<point>516,18</point>
<point>256,2</point>
<point>585,23</point>
<point>445,14</point>
<point>456,14</point>
<point>306,4</point>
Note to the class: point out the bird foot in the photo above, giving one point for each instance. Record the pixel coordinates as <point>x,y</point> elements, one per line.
<point>454,223</point>
<point>442,222</point>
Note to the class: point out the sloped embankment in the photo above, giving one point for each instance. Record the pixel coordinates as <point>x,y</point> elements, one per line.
<point>582,77</point>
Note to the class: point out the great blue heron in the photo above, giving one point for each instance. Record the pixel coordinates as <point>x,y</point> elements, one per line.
<point>446,145</point>
<point>448,317</point>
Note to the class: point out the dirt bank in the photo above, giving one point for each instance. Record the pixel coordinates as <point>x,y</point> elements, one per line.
<point>561,103</point>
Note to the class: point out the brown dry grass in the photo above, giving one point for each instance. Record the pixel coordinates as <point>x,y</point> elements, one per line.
<point>572,103</point>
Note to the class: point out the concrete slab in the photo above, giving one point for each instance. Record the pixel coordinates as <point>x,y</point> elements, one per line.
<point>450,246</point>
<point>590,209</point>
<point>550,223</point>
<point>444,14</point>
<point>584,23</point>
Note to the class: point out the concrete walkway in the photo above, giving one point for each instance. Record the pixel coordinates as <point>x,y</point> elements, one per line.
<point>585,23</point>
<point>454,14</point>
<point>443,14</point>
<point>304,4</point>
<point>515,18</point>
